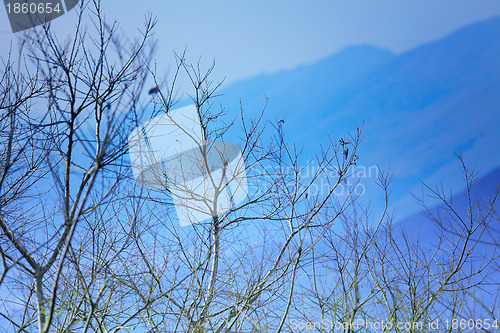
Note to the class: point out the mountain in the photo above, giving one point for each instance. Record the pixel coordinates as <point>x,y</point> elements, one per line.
<point>417,109</point>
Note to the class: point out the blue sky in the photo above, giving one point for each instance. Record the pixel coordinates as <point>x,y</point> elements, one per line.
<point>248,38</point>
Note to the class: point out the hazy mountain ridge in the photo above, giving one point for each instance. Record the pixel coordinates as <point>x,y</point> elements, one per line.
<point>420,77</point>
<point>304,89</point>
<point>417,109</point>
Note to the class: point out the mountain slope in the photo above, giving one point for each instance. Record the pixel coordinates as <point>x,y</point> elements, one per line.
<point>482,191</point>
<point>417,109</point>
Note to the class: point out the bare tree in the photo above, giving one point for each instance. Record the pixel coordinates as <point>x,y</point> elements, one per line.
<point>66,105</point>
<point>383,277</point>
